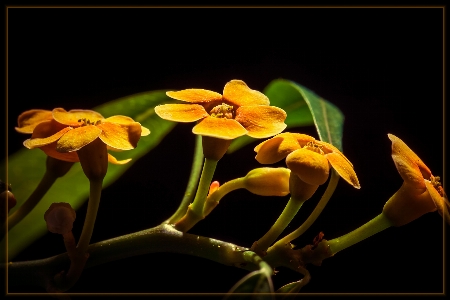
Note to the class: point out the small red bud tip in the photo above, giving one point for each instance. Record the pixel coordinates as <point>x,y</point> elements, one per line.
<point>213,187</point>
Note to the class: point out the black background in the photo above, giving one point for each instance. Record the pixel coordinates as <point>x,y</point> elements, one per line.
<point>383,67</point>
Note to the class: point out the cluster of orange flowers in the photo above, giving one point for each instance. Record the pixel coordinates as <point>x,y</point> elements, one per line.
<point>239,111</point>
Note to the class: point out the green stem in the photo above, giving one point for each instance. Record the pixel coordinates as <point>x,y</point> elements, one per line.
<point>377,224</point>
<point>192,183</point>
<point>316,212</point>
<point>195,210</point>
<point>91,214</point>
<point>213,200</point>
<point>44,185</point>
<point>280,224</point>
<point>163,238</point>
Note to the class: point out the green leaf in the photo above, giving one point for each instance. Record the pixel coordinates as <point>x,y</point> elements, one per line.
<point>290,288</point>
<point>26,167</point>
<point>252,284</point>
<point>303,108</point>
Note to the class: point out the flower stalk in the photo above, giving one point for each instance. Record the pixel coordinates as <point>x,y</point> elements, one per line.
<point>377,224</point>
<point>195,210</point>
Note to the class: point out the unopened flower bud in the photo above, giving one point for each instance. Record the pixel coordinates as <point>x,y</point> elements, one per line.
<point>213,187</point>
<point>268,181</point>
<point>60,218</point>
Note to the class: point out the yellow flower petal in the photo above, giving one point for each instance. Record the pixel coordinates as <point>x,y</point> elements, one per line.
<point>276,148</point>
<point>261,121</point>
<point>29,119</point>
<point>441,202</point>
<point>45,133</point>
<point>181,112</point>
<point>50,150</point>
<point>119,119</point>
<point>120,136</point>
<point>309,166</point>
<point>221,128</point>
<point>126,120</point>
<point>301,138</point>
<point>400,151</point>
<point>410,173</point>
<point>77,138</point>
<point>238,93</point>
<point>340,163</point>
<point>113,160</point>
<point>195,95</point>
<point>72,117</point>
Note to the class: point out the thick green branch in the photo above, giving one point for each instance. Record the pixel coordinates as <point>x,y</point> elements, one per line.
<point>163,238</point>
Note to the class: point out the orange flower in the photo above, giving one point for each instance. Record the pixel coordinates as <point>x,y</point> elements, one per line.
<point>420,193</point>
<point>307,157</point>
<point>240,111</point>
<point>60,133</point>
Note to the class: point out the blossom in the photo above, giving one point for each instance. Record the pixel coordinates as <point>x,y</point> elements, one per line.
<point>306,157</point>
<point>239,111</point>
<point>420,193</point>
<point>60,133</point>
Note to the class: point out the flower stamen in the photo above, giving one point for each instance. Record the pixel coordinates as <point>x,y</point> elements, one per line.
<point>86,122</point>
<point>222,111</point>
<point>314,147</point>
<point>435,181</point>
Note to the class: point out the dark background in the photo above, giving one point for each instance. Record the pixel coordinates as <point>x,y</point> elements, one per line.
<point>383,67</point>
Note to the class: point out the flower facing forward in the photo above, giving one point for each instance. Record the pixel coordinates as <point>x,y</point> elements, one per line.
<point>60,133</point>
<point>420,193</point>
<point>307,158</point>
<point>239,111</point>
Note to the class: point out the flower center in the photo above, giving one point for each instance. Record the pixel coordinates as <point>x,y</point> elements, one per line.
<point>89,122</point>
<point>314,147</point>
<point>435,181</point>
<point>222,111</point>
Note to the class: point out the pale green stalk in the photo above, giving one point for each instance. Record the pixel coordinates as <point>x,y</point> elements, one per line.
<point>192,183</point>
<point>377,224</point>
<point>91,215</point>
<point>213,200</point>
<point>315,214</point>
<point>280,224</point>
<point>195,210</point>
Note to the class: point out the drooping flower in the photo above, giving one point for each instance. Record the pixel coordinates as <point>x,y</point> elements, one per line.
<point>239,111</point>
<point>420,193</point>
<point>60,133</point>
<point>306,157</point>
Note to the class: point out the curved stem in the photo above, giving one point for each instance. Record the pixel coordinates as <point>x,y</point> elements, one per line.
<point>163,238</point>
<point>316,212</point>
<point>192,183</point>
<point>280,224</point>
<point>213,200</point>
<point>195,210</point>
<point>93,204</point>
<point>44,185</point>
<point>377,224</point>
